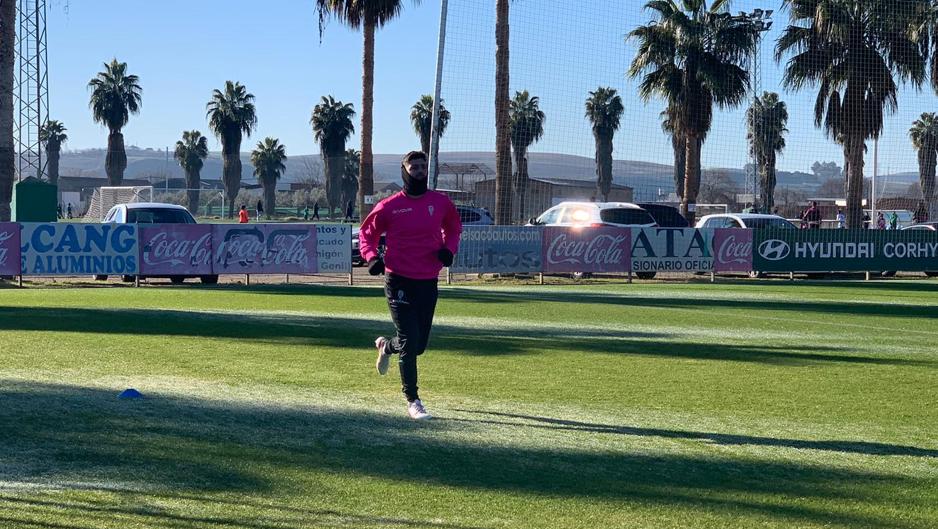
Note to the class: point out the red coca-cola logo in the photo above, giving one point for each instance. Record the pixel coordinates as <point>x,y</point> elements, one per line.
<point>288,249</point>
<point>602,249</point>
<point>732,250</point>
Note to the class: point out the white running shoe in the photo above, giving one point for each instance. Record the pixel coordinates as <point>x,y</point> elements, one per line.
<point>384,359</point>
<point>416,411</point>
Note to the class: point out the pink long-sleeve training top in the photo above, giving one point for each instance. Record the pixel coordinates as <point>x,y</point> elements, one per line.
<point>415,230</point>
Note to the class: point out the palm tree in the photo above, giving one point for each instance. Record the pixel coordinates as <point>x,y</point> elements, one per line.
<point>527,127</point>
<point>191,150</point>
<point>368,15</point>
<point>332,127</point>
<point>421,117</point>
<point>924,135</point>
<point>115,95</point>
<point>678,146</point>
<point>7,60</point>
<point>52,135</point>
<point>604,110</point>
<point>765,125</point>
<point>350,175</point>
<point>268,158</point>
<point>693,56</point>
<point>502,117</point>
<point>853,52</point>
<point>231,115</point>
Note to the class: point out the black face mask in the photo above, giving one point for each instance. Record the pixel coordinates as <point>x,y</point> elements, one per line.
<point>413,186</point>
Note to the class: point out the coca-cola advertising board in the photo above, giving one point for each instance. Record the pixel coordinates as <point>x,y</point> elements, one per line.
<point>9,249</point>
<point>176,249</point>
<point>586,249</point>
<point>732,250</point>
<point>672,250</point>
<point>264,249</point>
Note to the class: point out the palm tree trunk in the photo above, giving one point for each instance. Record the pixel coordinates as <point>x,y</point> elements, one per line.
<point>52,168</point>
<point>691,179</point>
<point>334,165</point>
<point>193,183</point>
<point>116,160</point>
<point>366,182</point>
<point>502,138</point>
<point>680,163</point>
<point>853,151</point>
<point>270,195</point>
<point>926,175</point>
<point>521,180</point>
<point>425,143</point>
<point>603,166</point>
<point>231,172</point>
<point>767,196</point>
<point>7,35</point>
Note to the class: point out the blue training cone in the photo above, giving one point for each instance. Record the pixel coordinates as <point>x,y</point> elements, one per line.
<point>130,393</point>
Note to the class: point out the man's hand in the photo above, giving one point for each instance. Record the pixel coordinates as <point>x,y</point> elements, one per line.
<point>445,256</point>
<point>376,266</point>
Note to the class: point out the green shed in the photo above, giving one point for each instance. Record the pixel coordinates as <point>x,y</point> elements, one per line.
<point>34,201</point>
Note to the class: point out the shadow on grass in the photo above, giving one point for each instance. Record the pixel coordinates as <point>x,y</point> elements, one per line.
<point>324,331</point>
<point>67,434</point>
<point>542,294</point>
<point>850,447</point>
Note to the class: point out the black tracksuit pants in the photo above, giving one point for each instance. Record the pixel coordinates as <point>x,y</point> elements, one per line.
<point>412,302</point>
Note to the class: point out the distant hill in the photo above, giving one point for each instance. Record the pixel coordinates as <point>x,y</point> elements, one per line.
<point>645,177</point>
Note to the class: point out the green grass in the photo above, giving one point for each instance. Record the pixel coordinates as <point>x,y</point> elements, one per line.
<point>752,404</point>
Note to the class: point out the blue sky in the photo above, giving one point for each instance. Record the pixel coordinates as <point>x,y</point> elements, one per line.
<point>560,50</point>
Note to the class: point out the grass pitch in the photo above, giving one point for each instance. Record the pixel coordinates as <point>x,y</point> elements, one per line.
<point>757,404</point>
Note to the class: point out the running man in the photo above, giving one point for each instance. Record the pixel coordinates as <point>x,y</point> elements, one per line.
<point>422,230</point>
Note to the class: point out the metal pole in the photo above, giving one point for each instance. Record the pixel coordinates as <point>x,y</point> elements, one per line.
<point>435,127</point>
<point>873,186</point>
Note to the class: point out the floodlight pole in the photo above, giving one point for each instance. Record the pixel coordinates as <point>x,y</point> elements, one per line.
<point>438,85</point>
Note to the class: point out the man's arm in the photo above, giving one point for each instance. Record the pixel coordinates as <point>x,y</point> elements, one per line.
<point>452,228</point>
<point>369,237</point>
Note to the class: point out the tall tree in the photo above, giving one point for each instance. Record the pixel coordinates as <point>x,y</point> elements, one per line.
<point>115,95</point>
<point>191,152</point>
<point>369,15</point>
<point>678,146</point>
<point>350,175</point>
<point>765,125</point>
<point>527,127</point>
<point>268,158</point>
<point>924,135</point>
<point>332,127</point>
<point>854,52</point>
<point>693,56</point>
<point>231,116</point>
<point>7,60</point>
<point>421,117</point>
<point>502,117</point>
<point>604,111</point>
<point>52,135</point>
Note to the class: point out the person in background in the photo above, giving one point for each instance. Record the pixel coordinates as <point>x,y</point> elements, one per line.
<point>893,221</point>
<point>880,221</point>
<point>349,210</point>
<point>841,220</point>
<point>259,211</point>
<point>866,220</point>
<point>243,215</point>
<point>812,217</point>
<point>316,210</point>
<point>306,212</point>
<point>58,211</point>
<point>68,210</point>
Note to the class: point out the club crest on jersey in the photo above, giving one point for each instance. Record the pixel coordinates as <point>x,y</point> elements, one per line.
<point>430,209</point>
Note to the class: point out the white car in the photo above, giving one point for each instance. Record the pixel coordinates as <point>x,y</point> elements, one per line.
<point>594,215</point>
<point>756,221</point>
<point>153,213</point>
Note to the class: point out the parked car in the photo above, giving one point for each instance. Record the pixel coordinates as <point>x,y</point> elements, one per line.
<point>153,213</point>
<point>594,215</point>
<point>754,221</point>
<point>469,215</point>
<point>666,216</point>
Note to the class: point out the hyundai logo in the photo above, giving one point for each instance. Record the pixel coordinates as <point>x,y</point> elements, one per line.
<point>774,250</point>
